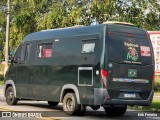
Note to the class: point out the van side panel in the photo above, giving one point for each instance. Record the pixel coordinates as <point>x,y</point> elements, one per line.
<point>46,77</point>
<point>22,80</point>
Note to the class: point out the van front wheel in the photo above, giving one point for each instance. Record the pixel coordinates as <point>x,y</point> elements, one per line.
<point>10,98</point>
<point>70,105</point>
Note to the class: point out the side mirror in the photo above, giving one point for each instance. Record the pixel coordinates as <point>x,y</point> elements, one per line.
<point>14,61</point>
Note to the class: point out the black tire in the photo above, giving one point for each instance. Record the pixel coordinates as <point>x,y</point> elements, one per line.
<point>115,111</point>
<point>50,103</point>
<point>121,110</point>
<point>10,98</point>
<point>81,110</point>
<point>110,111</point>
<point>70,105</point>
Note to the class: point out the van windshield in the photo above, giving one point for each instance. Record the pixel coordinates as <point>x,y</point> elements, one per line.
<point>134,49</point>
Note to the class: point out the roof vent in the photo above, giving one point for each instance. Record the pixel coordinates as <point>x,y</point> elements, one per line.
<point>117,22</point>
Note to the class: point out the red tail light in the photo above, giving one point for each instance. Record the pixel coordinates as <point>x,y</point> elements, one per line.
<point>104,76</point>
<point>130,35</point>
<point>109,33</point>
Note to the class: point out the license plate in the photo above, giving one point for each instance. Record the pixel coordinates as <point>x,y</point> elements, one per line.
<point>130,95</point>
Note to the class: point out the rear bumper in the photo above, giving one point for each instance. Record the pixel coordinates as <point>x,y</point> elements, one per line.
<point>101,97</point>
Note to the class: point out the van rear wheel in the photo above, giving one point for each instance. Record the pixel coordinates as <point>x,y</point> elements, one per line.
<point>50,103</point>
<point>10,98</point>
<point>115,111</point>
<point>70,105</point>
<point>121,110</point>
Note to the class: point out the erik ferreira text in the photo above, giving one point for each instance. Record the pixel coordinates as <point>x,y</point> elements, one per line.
<point>147,114</point>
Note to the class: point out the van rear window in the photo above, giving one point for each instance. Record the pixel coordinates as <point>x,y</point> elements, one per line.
<point>134,49</point>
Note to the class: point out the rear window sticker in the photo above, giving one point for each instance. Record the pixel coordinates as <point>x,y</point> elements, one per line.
<point>132,54</point>
<point>130,45</point>
<point>145,51</point>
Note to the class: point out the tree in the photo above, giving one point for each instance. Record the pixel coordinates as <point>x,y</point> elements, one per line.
<point>103,10</point>
<point>2,29</point>
<point>143,14</point>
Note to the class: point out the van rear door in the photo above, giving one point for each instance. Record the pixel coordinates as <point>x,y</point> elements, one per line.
<point>129,62</point>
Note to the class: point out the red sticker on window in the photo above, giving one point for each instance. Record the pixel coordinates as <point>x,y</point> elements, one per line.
<point>145,51</point>
<point>47,53</point>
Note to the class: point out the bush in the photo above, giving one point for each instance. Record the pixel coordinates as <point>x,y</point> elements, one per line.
<point>1,69</point>
<point>1,77</point>
<point>1,80</point>
<point>1,74</point>
<point>157,83</point>
<point>157,87</point>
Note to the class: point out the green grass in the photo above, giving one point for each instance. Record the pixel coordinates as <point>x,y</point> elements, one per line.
<point>1,82</point>
<point>155,106</point>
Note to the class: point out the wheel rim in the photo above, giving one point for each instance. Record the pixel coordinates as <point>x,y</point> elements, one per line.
<point>10,95</point>
<point>69,104</point>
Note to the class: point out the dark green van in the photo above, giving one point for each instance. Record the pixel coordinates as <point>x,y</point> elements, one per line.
<point>109,65</point>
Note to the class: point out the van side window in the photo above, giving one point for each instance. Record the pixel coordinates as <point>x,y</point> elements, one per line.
<point>88,46</point>
<point>44,50</point>
<point>22,53</point>
<point>18,54</point>
<point>27,52</point>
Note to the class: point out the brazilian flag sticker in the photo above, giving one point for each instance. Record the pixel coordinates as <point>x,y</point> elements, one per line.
<point>132,72</point>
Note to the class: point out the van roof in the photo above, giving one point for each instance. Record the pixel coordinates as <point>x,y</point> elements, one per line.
<point>77,31</point>
<point>63,32</point>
